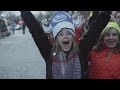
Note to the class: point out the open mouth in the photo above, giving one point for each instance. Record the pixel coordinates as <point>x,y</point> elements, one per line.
<point>110,42</point>
<point>66,43</point>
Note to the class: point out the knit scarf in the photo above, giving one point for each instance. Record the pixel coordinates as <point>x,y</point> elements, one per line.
<point>63,68</point>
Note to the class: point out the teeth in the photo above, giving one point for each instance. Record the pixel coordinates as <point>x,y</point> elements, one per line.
<point>110,42</point>
<point>65,42</point>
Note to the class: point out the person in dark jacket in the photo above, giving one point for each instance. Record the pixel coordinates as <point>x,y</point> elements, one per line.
<point>24,26</point>
<point>93,18</point>
<point>64,61</point>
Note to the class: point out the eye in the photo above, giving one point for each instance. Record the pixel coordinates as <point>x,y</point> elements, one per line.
<point>115,34</point>
<point>60,34</point>
<point>107,34</point>
<point>69,33</point>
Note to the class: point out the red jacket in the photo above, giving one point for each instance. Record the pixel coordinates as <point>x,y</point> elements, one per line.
<point>78,32</point>
<point>104,65</point>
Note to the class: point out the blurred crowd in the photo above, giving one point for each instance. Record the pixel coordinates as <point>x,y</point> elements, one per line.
<point>81,20</point>
<point>9,26</point>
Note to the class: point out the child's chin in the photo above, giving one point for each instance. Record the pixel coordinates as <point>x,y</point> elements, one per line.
<point>66,50</point>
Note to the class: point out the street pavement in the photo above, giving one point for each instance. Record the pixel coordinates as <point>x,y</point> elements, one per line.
<point>20,58</point>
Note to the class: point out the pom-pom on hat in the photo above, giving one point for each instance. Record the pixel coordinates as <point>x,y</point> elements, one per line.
<point>60,20</point>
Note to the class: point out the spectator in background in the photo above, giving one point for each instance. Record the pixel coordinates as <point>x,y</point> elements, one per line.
<point>78,21</point>
<point>13,27</point>
<point>113,16</point>
<point>3,28</point>
<point>117,17</point>
<point>24,26</point>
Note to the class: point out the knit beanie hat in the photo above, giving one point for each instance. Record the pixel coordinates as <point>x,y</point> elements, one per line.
<point>112,24</point>
<point>60,20</point>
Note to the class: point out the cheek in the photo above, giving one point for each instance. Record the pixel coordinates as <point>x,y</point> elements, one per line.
<point>117,39</point>
<point>104,40</point>
<point>59,40</point>
<point>106,37</point>
<point>71,37</point>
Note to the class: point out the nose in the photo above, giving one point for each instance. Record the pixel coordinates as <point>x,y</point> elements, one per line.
<point>111,36</point>
<point>65,36</point>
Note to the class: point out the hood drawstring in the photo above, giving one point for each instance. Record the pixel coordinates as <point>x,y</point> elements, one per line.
<point>108,56</point>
